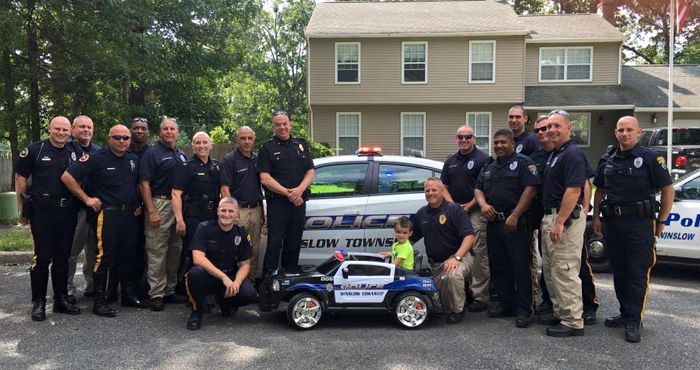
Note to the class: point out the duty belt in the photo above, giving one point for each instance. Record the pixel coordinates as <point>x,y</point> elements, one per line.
<point>551,211</point>
<point>248,205</point>
<point>118,207</point>
<point>638,209</point>
<point>55,202</point>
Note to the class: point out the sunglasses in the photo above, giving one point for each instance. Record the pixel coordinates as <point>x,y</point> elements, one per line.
<point>540,129</point>
<point>121,137</point>
<point>137,119</point>
<point>559,111</point>
<point>464,137</point>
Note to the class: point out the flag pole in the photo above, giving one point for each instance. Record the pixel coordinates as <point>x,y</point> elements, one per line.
<point>671,42</point>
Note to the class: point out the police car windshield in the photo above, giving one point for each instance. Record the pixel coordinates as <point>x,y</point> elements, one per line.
<point>687,176</point>
<point>329,265</point>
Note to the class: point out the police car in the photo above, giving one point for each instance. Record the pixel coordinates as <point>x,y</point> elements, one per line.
<point>680,240</point>
<point>350,281</point>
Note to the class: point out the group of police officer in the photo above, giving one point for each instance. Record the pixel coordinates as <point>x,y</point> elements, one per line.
<point>540,182</point>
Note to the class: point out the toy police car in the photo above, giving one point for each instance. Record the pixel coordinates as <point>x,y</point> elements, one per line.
<point>350,280</point>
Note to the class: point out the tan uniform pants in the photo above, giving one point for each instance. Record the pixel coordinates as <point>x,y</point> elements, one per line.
<point>451,286</point>
<point>251,219</point>
<point>84,238</point>
<point>561,263</point>
<point>480,267</point>
<point>163,247</point>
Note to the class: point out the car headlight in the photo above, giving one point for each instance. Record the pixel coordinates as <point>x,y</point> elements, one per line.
<point>276,286</point>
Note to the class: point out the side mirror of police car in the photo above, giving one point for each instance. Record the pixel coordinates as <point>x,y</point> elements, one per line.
<point>345,273</point>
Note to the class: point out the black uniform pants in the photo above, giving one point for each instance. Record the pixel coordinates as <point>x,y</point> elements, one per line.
<point>199,284</point>
<point>193,217</point>
<point>632,249</point>
<point>117,246</point>
<point>285,227</point>
<point>510,261</point>
<point>52,231</point>
<point>588,293</point>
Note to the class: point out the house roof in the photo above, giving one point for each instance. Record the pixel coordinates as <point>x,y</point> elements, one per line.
<point>405,19</point>
<point>643,87</point>
<point>570,27</point>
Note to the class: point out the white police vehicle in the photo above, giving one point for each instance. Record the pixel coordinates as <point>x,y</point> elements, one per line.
<point>680,240</point>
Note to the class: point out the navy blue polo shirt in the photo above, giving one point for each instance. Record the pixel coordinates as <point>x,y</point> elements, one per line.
<point>113,179</point>
<point>566,168</point>
<point>285,160</point>
<point>631,176</point>
<point>526,143</point>
<point>443,228</point>
<point>503,181</point>
<point>139,153</point>
<point>225,249</point>
<point>45,164</point>
<point>196,178</point>
<point>158,165</point>
<point>459,173</point>
<point>240,174</point>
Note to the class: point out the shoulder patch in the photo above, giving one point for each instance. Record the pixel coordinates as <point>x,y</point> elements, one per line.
<point>24,153</point>
<point>249,237</point>
<point>662,161</point>
<point>533,169</point>
<point>84,158</point>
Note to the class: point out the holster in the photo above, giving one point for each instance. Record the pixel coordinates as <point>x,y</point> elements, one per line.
<point>27,202</point>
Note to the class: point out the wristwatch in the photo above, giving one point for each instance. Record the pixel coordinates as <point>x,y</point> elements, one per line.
<point>458,258</point>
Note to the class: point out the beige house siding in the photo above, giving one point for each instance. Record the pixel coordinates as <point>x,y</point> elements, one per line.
<point>448,73</point>
<point>606,63</point>
<point>679,119</point>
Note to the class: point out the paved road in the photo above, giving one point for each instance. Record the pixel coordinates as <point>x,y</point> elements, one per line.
<point>145,339</point>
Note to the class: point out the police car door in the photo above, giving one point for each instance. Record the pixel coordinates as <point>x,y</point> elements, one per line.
<point>680,236</point>
<point>399,193</point>
<point>334,210</point>
<point>362,282</point>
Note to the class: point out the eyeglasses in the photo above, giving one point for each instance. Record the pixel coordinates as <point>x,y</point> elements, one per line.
<point>540,129</point>
<point>137,119</point>
<point>559,111</point>
<point>120,137</point>
<point>464,137</point>
<point>279,113</point>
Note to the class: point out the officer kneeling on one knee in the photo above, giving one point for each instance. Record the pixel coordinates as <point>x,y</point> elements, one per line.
<point>221,254</point>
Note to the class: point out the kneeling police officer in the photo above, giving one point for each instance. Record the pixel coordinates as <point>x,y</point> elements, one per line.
<point>221,253</point>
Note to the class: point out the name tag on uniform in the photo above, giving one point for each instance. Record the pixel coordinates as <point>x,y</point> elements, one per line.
<point>166,158</point>
<point>110,168</point>
<point>46,158</point>
<point>243,169</point>
<point>201,173</point>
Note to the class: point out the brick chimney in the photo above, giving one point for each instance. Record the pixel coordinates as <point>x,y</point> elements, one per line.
<point>606,9</point>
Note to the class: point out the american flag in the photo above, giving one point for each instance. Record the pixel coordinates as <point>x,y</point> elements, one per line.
<point>681,14</point>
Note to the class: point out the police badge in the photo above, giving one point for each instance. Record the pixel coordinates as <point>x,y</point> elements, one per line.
<point>72,156</point>
<point>638,162</point>
<point>442,219</point>
<point>470,165</point>
<point>237,240</point>
<point>182,156</point>
<point>519,148</point>
<point>513,166</point>
<point>133,165</point>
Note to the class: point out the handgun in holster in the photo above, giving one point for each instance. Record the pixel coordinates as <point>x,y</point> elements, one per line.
<point>575,215</point>
<point>27,201</point>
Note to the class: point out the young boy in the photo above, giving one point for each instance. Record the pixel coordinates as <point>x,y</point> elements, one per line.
<point>402,251</point>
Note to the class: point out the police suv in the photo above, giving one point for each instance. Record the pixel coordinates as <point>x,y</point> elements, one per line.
<point>680,240</point>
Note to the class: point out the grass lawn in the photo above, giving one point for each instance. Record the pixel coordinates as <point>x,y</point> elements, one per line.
<point>15,239</point>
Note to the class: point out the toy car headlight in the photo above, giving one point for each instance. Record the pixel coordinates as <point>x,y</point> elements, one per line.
<point>276,286</point>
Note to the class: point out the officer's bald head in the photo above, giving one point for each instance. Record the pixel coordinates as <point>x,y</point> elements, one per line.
<point>59,131</point>
<point>119,130</point>
<point>228,200</point>
<point>59,120</point>
<point>628,121</point>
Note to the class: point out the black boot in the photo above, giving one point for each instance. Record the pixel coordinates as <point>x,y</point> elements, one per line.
<point>194,322</point>
<point>131,299</point>
<point>39,281</point>
<point>112,285</point>
<point>61,304</point>
<point>100,306</point>
<point>39,309</point>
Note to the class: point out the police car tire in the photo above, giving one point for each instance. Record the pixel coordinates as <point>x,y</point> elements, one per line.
<point>304,311</point>
<point>414,299</point>
<point>599,262</point>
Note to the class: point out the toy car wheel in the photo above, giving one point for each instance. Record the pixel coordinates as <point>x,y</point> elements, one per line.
<point>411,310</point>
<point>304,311</point>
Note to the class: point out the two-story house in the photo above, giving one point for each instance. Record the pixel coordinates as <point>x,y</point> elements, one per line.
<point>406,75</point>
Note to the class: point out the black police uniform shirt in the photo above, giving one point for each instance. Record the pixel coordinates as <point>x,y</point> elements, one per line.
<point>113,179</point>
<point>567,168</point>
<point>443,228</point>
<point>224,249</point>
<point>92,148</point>
<point>139,153</point>
<point>526,143</point>
<point>158,167</point>
<point>459,173</point>
<point>503,181</point>
<point>631,176</point>
<point>197,179</point>
<point>240,174</point>
<point>286,161</point>
<point>45,164</point>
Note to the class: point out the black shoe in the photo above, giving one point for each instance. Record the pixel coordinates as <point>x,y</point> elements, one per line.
<point>39,309</point>
<point>563,331</point>
<point>633,333</point>
<point>62,305</point>
<point>615,322</point>
<point>477,306</point>
<point>175,298</point>
<point>71,299</point>
<point>548,319</point>
<point>103,309</point>
<point>543,308</point>
<point>523,321</point>
<point>501,311</point>
<point>228,311</point>
<point>194,321</point>
<point>130,300</point>
<point>156,304</point>
<point>455,318</point>
<point>589,317</point>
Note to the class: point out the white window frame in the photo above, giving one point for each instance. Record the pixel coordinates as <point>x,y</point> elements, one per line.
<point>337,129</point>
<point>359,63</point>
<point>402,62</point>
<point>590,124</point>
<point>488,136</point>
<point>425,124</point>
<point>566,65</point>
<point>493,61</point>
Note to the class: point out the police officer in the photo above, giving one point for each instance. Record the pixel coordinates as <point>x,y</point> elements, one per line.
<point>525,141</point>
<point>195,193</point>
<point>139,145</point>
<point>505,190</point>
<point>241,180</point>
<point>221,252</point>
<point>81,141</point>
<point>163,245</point>
<point>113,175</point>
<point>448,237</point>
<point>563,226</point>
<point>627,179</point>
<point>139,136</point>
<point>459,176</point>
<point>286,170</point>
<point>588,292</point>
<point>51,213</point>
